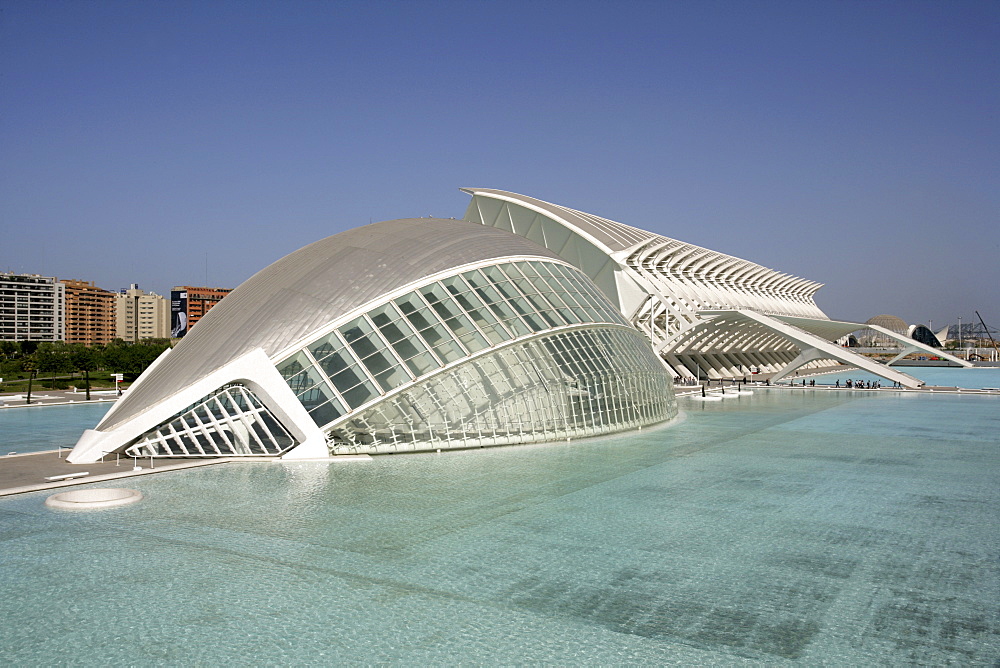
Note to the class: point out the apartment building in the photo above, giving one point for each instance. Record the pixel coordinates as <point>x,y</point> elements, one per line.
<point>141,315</point>
<point>189,304</point>
<point>90,313</point>
<point>31,308</point>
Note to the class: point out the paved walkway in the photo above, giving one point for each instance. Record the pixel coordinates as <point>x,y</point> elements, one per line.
<point>49,397</point>
<point>28,472</point>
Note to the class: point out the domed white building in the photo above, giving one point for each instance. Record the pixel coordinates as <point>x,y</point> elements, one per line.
<point>882,337</point>
<point>405,335</point>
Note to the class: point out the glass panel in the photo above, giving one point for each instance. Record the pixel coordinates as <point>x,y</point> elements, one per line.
<point>383,315</point>
<point>510,270</point>
<point>304,379</point>
<point>527,268</point>
<point>378,362</point>
<point>473,341</point>
<point>316,394</point>
<point>446,308</point>
<point>367,346</point>
<point>326,413</point>
<point>334,364</point>
<point>421,364</point>
<point>408,348</point>
<point>293,365</point>
<point>449,351</point>
<point>356,329</point>
<point>482,286</point>
<point>434,293</point>
<point>392,378</point>
<point>360,394</point>
<point>395,330</point>
<point>455,285</point>
<point>417,314</point>
<point>525,310</point>
<point>435,334</point>
<point>347,379</point>
<point>325,346</point>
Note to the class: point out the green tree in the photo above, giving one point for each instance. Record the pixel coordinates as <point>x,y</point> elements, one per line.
<point>53,358</point>
<point>132,359</point>
<point>86,360</point>
<point>9,349</point>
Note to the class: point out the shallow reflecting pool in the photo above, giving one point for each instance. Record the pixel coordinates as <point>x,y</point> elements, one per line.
<point>805,528</point>
<point>39,428</point>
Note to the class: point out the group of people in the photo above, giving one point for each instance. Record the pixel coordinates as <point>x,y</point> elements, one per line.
<point>861,384</point>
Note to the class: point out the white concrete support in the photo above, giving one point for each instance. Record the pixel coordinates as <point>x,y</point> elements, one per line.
<point>807,355</point>
<point>822,348</point>
<point>254,369</point>
<point>913,346</point>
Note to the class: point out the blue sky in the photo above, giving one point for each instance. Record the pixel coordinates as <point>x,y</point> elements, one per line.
<point>852,143</point>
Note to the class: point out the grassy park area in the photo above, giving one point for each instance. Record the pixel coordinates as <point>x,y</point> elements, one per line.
<point>62,366</point>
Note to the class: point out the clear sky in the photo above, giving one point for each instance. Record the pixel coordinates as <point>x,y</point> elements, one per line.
<point>169,143</point>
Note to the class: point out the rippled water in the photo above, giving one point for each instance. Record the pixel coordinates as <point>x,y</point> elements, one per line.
<point>783,528</point>
<point>39,428</point>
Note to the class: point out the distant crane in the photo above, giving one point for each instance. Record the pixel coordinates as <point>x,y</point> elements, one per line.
<point>987,329</point>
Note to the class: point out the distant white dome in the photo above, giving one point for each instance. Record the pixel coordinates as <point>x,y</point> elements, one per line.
<point>869,337</point>
<point>890,322</point>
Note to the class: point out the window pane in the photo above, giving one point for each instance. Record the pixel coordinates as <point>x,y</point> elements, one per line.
<point>421,364</point>
<point>356,329</point>
<point>392,378</point>
<point>360,394</point>
<point>435,334</point>
<point>474,341</point>
<point>347,379</point>
<point>293,365</point>
<point>326,413</point>
<point>449,351</point>
<point>315,395</point>
<point>379,362</point>
<point>420,318</point>
<point>304,379</point>
<point>335,363</point>
<point>325,346</point>
<point>365,346</point>
<point>433,293</point>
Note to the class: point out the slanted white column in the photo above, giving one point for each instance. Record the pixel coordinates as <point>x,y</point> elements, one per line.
<point>914,346</point>
<point>807,355</point>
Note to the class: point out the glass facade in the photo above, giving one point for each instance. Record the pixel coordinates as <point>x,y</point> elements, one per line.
<point>230,422</point>
<point>472,359</point>
<point>573,383</point>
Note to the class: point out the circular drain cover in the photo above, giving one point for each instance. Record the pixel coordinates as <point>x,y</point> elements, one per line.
<point>92,499</point>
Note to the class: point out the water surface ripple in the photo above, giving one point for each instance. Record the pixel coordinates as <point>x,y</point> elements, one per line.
<point>808,528</point>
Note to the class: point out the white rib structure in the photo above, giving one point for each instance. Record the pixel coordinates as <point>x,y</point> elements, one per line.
<point>707,314</point>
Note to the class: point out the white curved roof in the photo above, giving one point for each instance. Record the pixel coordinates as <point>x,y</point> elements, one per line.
<point>610,235</point>
<point>705,278</point>
<point>313,286</point>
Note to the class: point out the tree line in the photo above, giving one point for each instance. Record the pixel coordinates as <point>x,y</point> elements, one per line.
<point>18,358</point>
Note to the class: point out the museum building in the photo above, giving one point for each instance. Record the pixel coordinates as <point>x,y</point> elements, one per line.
<point>405,335</point>
<point>524,322</point>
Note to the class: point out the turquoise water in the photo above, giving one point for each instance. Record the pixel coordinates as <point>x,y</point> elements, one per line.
<point>38,428</point>
<point>785,528</point>
<point>975,378</point>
